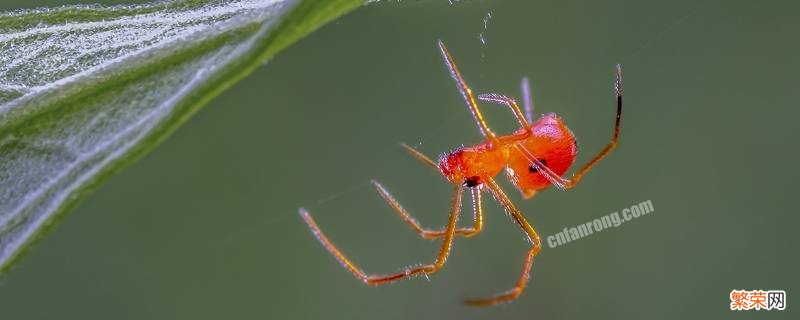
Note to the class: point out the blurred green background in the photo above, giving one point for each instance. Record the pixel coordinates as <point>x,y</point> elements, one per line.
<point>206,226</point>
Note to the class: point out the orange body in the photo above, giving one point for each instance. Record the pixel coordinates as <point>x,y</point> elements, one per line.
<point>547,140</point>
<point>534,157</point>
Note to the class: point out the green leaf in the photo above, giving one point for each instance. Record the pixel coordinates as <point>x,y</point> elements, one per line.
<point>85,90</point>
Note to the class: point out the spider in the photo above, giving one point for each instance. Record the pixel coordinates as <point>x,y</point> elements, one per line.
<point>534,157</point>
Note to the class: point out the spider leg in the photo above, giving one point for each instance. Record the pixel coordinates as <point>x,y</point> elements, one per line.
<point>420,156</point>
<point>533,237</point>
<point>564,183</point>
<point>433,234</point>
<point>477,210</point>
<point>527,100</point>
<point>614,138</point>
<point>511,294</point>
<point>511,104</point>
<point>466,92</point>
<point>444,250</point>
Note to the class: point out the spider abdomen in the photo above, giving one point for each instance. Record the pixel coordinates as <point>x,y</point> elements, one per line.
<point>550,142</point>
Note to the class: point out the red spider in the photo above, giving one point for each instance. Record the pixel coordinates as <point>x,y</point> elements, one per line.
<point>534,157</point>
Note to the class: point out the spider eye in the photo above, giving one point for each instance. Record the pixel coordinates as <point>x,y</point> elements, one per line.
<point>533,169</point>
<point>472,181</point>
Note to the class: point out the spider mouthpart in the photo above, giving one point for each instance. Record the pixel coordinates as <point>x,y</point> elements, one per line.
<point>472,182</point>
